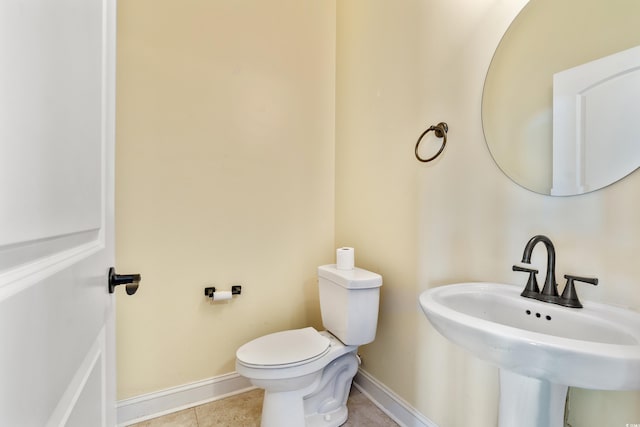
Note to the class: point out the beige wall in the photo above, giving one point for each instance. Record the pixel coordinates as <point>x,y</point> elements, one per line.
<point>405,65</point>
<point>225,175</point>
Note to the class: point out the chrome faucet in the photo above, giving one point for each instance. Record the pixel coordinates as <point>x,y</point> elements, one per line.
<point>550,289</point>
<point>549,292</point>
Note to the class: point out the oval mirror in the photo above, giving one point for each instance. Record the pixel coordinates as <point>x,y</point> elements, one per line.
<point>523,129</point>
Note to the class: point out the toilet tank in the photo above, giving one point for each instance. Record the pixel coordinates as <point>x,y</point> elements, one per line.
<point>349,301</point>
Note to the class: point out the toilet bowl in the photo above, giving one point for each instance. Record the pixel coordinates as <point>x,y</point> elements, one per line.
<point>307,374</point>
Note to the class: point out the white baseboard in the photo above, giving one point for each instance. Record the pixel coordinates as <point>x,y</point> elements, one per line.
<point>156,404</point>
<point>390,403</point>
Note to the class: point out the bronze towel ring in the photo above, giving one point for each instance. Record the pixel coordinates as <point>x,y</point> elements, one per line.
<point>440,130</point>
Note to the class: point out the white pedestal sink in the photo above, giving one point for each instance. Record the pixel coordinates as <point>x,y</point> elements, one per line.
<point>540,348</point>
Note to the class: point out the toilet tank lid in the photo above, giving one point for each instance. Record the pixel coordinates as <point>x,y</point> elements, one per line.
<point>357,278</point>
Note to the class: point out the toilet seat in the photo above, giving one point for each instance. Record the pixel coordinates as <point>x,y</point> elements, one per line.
<point>284,349</point>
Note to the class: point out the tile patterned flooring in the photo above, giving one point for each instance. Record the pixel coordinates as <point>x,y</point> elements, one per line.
<point>243,410</point>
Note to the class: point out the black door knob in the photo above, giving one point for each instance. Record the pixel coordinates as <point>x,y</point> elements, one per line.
<point>132,281</point>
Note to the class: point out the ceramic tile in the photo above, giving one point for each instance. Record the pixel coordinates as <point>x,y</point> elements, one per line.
<point>242,410</point>
<point>362,412</point>
<point>186,418</point>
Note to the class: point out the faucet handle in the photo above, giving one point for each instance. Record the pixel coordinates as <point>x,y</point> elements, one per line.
<point>569,296</point>
<point>531,290</point>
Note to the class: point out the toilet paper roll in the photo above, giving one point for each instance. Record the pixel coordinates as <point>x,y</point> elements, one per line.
<point>222,295</point>
<point>345,258</point>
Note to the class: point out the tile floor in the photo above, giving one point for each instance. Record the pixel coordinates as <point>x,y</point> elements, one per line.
<point>243,410</point>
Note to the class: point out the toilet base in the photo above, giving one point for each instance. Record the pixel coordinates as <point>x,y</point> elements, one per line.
<point>327,405</point>
<point>282,409</point>
<point>332,419</point>
<point>321,404</point>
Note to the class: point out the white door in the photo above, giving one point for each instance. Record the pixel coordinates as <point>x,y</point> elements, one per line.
<point>56,212</point>
<point>596,131</point>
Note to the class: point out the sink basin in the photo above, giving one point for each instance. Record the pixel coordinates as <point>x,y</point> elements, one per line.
<point>538,346</point>
<point>595,347</point>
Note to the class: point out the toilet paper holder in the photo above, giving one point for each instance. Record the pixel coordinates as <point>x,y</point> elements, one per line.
<point>211,290</point>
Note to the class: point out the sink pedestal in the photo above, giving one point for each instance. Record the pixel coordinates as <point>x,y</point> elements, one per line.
<point>530,402</point>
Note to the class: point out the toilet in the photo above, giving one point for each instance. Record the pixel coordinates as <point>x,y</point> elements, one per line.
<point>307,374</point>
